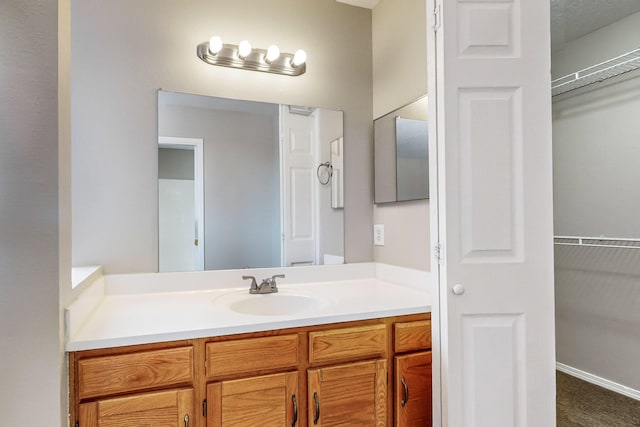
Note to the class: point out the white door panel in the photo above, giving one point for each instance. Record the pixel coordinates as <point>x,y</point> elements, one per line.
<point>181,241</point>
<point>176,218</point>
<point>496,309</point>
<point>299,208</point>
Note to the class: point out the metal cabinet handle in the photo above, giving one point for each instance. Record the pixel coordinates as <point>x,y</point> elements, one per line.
<point>186,420</point>
<point>316,417</point>
<point>406,392</point>
<point>295,410</point>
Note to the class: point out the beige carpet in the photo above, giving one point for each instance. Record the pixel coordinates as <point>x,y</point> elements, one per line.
<point>582,404</point>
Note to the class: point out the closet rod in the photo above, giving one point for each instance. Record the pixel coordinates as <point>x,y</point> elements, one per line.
<point>597,242</point>
<point>613,67</point>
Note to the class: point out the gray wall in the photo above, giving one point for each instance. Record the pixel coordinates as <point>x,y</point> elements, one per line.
<point>329,125</point>
<point>124,51</point>
<point>597,315</point>
<point>241,182</point>
<point>399,53</point>
<point>29,255</point>
<point>400,77</point>
<point>175,163</point>
<point>595,141</point>
<point>596,175</point>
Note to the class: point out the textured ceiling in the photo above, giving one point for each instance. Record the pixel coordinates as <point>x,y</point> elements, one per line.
<point>572,19</point>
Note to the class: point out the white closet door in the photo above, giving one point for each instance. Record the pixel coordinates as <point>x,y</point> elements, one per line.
<point>495,213</point>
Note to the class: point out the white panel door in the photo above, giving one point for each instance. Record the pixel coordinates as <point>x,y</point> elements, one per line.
<point>176,219</point>
<point>181,212</point>
<point>496,308</point>
<point>299,210</point>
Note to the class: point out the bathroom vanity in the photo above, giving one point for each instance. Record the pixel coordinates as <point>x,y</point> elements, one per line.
<point>358,354</point>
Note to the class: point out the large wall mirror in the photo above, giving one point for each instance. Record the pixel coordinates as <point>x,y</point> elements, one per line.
<point>246,184</point>
<point>401,154</point>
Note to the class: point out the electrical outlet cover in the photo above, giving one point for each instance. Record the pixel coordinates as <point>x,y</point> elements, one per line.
<point>378,234</point>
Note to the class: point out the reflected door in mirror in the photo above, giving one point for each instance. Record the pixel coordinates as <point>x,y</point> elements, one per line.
<point>180,216</point>
<point>262,203</point>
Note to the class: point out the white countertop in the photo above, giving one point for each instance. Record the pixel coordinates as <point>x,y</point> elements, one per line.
<point>126,318</point>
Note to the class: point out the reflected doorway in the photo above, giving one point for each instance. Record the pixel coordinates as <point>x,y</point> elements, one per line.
<point>180,204</point>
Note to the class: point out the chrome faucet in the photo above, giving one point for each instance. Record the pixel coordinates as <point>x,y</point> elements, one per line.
<point>268,285</point>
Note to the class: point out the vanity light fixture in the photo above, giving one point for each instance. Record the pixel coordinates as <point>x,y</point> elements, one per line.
<point>273,53</point>
<point>243,56</point>
<point>244,49</point>
<point>215,45</point>
<point>299,58</point>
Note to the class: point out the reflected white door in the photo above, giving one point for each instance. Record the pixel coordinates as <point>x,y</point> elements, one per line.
<point>181,211</point>
<point>176,217</point>
<point>496,305</point>
<point>298,188</point>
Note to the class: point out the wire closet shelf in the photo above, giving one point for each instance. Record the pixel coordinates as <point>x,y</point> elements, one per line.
<point>597,242</point>
<point>613,67</point>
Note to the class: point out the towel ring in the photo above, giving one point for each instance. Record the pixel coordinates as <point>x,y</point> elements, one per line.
<point>329,168</point>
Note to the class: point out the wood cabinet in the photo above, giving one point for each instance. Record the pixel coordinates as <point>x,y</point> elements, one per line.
<point>344,374</point>
<point>269,401</point>
<point>173,408</point>
<point>345,344</point>
<point>237,357</point>
<point>120,373</point>
<point>412,374</point>
<point>352,394</point>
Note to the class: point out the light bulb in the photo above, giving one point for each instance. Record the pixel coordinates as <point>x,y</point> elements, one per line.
<point>215,45</point>
<point>244,49</point>
<point>273,52</point>
<point>299,58</point>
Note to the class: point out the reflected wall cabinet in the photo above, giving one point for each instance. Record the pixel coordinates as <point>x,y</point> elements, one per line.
<point>401,154</point>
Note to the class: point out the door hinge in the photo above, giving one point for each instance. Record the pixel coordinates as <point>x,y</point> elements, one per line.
<point>437,253</point>
<point>436,18</point>
<point>204,408</point>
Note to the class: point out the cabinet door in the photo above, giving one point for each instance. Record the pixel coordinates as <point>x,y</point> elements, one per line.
<point>352,394</point>
<point>266,401</point>
<point>413,390</point>
<point>173,408</point>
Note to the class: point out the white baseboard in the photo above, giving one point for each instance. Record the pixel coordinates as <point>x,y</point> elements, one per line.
<point>602,382</point>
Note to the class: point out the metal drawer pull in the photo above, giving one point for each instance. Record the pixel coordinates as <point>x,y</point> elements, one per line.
<point>406,392</point>
<point>186,420</point>
<point>295,410</point>
<point>316,417</point>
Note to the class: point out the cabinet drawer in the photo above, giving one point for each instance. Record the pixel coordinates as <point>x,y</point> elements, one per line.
<point>107,375</point>
<point>165,408</point>
<point>251,355</point>
<point>347,344</point>
<point>412,336</point>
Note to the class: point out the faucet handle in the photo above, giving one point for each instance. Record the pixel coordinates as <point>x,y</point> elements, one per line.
<point>272,281</point>
<point>277,276</point>
<point>254,284</point>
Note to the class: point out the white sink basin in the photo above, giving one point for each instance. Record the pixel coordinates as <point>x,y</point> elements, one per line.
<point>277,304</point>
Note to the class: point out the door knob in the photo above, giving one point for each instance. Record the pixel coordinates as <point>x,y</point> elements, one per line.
<point>458,289</point>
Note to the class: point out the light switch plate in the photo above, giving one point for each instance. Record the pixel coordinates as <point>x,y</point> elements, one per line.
<point>378,234</point>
